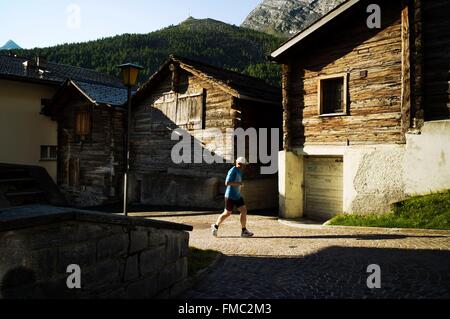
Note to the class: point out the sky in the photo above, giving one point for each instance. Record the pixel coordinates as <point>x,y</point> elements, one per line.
<point>42,23</point>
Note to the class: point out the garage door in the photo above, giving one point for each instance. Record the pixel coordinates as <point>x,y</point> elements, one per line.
<point>323,187</point>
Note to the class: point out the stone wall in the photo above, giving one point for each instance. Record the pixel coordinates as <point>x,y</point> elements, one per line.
<point>203,192</point>
<point>119,257</point>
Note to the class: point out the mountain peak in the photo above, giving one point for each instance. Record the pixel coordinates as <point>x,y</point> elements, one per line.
<point>288,17</point>
<point>192,20</point>
<point>10,45</point>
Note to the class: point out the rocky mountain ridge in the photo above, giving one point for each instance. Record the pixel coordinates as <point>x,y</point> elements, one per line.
<point>288,17</point>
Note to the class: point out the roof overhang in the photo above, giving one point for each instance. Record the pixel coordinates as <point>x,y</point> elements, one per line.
<point>90,99</point>
<point>16,78</point>
<point>51,108</point>
<point>313,28</point>
<point>185,66</point>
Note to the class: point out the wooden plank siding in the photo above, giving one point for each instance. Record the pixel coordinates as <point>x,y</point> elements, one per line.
<point>375,101</point>
<point>155,122</point>
<point>98,160</point>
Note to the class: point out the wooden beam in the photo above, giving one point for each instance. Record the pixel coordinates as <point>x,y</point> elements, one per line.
<point>286,79</point>
<point>314,27</point>
<point>418,77</point>
<point>406,69</point>
<point>174,68</point>
<point>209,79</point>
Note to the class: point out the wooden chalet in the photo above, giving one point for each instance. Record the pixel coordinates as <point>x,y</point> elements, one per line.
<point>197,98</point>
<point>366,110</point>
<point>90,121</point>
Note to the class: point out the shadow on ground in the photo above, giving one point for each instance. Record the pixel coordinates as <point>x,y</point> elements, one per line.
<point>332,273</point>
<point>357,237</point>
<point>157,211</point>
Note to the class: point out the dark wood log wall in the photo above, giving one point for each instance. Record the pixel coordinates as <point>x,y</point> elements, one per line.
<point>436,41</point>
<point>375,101</point>
<point>259,115</point>
<point>98,161</point>
<point>154,124</point>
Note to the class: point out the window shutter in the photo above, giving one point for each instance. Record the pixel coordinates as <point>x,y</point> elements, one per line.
<point>83,124</point>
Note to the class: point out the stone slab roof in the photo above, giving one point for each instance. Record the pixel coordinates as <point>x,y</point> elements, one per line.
<point>102,94</point>
<point>13,67</point>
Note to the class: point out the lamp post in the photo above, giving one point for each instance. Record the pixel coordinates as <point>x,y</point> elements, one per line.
<point>130,73</point>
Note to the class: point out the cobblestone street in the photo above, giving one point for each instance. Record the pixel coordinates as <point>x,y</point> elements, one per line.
<point>290,262</point>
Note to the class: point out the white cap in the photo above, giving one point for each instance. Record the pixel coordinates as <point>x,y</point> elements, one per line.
<point>241,160</point>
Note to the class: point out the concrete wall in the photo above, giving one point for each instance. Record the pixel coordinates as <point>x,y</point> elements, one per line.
<point>375,176</point>
<point>22,128</point>
<point>290,185</point>
<point>427,159</point>
<point>117,260</point>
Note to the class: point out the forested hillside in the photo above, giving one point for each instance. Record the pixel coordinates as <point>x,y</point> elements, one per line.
<point>211,41</point>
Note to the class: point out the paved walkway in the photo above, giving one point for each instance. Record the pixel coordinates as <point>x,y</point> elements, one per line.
<point>290,263</point>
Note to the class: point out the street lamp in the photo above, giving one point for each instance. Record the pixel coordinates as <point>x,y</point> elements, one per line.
<point>130,73</point>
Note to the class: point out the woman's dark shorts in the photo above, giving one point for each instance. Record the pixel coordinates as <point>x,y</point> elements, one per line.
<point>231,203</point>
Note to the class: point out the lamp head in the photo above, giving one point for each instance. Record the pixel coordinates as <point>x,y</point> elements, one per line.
<point>130,73</point>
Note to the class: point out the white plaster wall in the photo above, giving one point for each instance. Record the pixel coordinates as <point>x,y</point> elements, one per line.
<point>427,160</point>
<point>375,176</point>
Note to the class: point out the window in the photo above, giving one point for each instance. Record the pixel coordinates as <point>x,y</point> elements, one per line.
<point>187,111</point>
<point>190,112</point>
<point>83,125</point>
<point>333,95</point>
<point>49,153</point>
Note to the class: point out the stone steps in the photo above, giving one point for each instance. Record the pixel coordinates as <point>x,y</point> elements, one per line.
<point>27,185</point>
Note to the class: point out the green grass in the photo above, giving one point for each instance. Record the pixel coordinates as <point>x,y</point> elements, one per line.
<point>200,259</point>
<point>426,212</point>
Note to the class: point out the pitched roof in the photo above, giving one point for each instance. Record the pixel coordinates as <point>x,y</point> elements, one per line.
<point>102,94</point>
<point>239,85</point>
<point>95,93</point>
<point>319,24</point>
<point>12,67</point>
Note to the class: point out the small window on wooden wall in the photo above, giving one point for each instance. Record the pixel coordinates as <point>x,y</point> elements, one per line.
<point>190,111</point>
<point>333,95</point>
<point>187,111</point>
<point>83,125</point>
